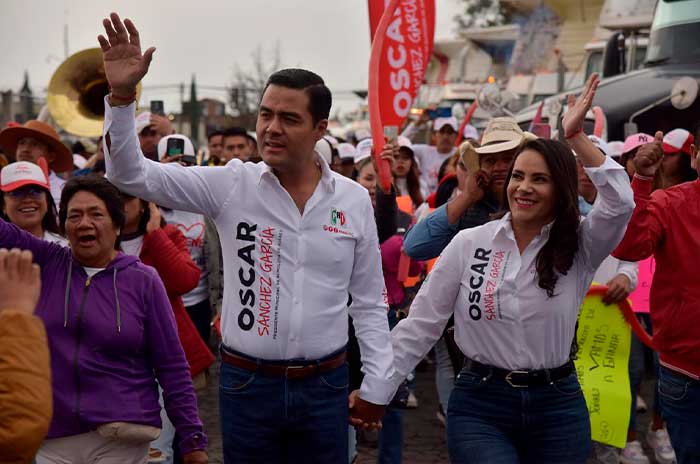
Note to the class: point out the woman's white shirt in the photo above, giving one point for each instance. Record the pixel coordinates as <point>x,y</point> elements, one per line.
<point>502,317</point>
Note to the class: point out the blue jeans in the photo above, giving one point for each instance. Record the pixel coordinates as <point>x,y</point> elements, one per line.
<point>490,422</point>
<point>276,420</point>
<point>679,398</point>
<point>391,437</point>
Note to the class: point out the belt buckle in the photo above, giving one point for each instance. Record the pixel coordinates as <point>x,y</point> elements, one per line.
<point>295,370</point>
<point>510,380</point>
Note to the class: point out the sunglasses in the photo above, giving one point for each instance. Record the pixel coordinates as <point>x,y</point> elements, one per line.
<point>34,192</point>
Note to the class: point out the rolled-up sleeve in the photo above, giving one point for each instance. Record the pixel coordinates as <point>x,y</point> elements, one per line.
<point>426,239</point>
<point>603,228</point>
<point>369,314</point>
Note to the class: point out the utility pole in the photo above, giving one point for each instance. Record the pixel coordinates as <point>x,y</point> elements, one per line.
<point>182,107</point>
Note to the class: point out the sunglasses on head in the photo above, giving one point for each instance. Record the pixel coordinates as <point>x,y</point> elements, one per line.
<point>23,192</point>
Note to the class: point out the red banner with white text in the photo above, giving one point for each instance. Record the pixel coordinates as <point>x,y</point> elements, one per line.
<point>401,49</point>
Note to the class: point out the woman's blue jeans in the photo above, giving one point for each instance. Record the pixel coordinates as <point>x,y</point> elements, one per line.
<point>489,421</point>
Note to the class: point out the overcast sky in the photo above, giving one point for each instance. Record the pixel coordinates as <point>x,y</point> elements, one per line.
<point>205,37</point>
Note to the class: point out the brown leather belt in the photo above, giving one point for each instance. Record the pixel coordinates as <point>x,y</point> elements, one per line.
<point>290,371</point>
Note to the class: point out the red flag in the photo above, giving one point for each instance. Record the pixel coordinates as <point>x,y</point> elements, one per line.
<point>538,117</point>
<point>375,8</point>
<point>599,121</point>
<point>400,54</point>
<point>465,121</point>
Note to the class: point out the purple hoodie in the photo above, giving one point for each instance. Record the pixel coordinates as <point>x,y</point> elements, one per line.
<point>110,337</point>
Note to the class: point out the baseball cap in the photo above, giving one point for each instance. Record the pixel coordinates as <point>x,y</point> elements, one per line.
<point>404,142</point>
<point>323,147</point>
<point>439,123</point>
<point>143,120</point>
<point>678,140</point>
<point>346,151</point>
<point>501,134</point>
<point>21,173</point>
<point>363,150</point>
<point>163,144</point>
<point>636,140</point>
<point>470,132</point>
<point>362,134</point>
<point>616,148</point>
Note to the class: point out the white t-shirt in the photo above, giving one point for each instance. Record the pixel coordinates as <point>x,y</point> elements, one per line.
<point>56,184</point>
<point>192,227</point>
<point>91,271</point>
<point>55,238</point>
<point>430,163</point>
<point>133,247</point>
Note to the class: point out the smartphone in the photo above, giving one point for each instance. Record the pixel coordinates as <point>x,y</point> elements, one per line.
<point>157,107</point>
<point>174,147</point>
<point>391,133</point>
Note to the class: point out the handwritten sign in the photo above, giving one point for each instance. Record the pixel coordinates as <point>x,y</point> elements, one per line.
<point>641,295</point>
<point>602,367</point>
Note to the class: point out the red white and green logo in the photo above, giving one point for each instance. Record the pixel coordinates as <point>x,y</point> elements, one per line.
<point>337,217</point>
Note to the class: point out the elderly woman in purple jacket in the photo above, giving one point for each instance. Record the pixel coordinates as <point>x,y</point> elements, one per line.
<point>111,335</point>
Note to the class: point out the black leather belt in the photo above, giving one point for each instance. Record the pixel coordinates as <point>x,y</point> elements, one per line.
<point>520,379</point>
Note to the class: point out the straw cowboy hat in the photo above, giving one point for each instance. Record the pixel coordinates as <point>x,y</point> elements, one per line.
<point>502,134</point>
<point>10,137</point>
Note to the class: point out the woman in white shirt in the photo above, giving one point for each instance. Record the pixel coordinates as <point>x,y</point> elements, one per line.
<point>515,286</point>
<point>26,200</point>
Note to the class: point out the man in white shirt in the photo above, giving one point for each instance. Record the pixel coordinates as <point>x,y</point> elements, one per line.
<point>431,157</point>
<point>296,239</point>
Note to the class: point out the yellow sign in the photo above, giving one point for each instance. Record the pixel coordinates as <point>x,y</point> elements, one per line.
<point>602,367</point>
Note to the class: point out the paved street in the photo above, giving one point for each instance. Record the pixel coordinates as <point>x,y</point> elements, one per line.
<point>424,441</point>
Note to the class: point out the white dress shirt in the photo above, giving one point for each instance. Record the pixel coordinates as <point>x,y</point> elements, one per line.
<point>286,275</point>
<point>502,317</point>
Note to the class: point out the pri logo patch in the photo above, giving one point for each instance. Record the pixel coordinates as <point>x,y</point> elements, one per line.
<point>337,217</point>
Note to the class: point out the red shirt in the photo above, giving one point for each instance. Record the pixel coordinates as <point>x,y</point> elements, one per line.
<point>666,224</point>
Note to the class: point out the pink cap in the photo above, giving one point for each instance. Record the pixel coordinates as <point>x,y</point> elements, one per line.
<point>21,173</point>
<point>636,140</point>
<point>678,140</point>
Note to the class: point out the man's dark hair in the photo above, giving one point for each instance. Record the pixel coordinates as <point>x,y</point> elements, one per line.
<point>320,99</point>
<point>102,189</point>
<point>235,132</point>
<point>213,134</point>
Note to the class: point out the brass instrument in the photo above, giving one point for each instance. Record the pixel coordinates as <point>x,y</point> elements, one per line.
<point>76,93</point>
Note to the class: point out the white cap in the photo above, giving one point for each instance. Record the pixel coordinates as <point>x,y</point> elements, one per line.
<point>470,132</point>
<point>600,144</point>
<point>79,161</point>
<point>404,142</point>
<point>143,120</point>
<point>21,173</point>
<point>362,134</point>
<point>163,144</point>
<point>363,150</point>
<point>615,147</point>
<point>439,123</point>
<point>346,151</point>
<point>323,147</point>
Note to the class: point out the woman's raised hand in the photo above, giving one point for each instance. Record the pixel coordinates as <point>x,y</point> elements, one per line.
<point>578,107</point>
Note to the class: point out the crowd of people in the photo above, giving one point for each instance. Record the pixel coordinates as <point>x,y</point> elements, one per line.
<point>325,285</point>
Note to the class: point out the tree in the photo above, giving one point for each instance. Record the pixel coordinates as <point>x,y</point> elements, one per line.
<point>248,84</point>
<point>482,13</point>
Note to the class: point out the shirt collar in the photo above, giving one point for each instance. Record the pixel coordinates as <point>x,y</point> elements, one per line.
<point>327,179</point>
<point>506,227</point>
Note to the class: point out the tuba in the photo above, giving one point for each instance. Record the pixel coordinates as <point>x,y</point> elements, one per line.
<point>76,94</point>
